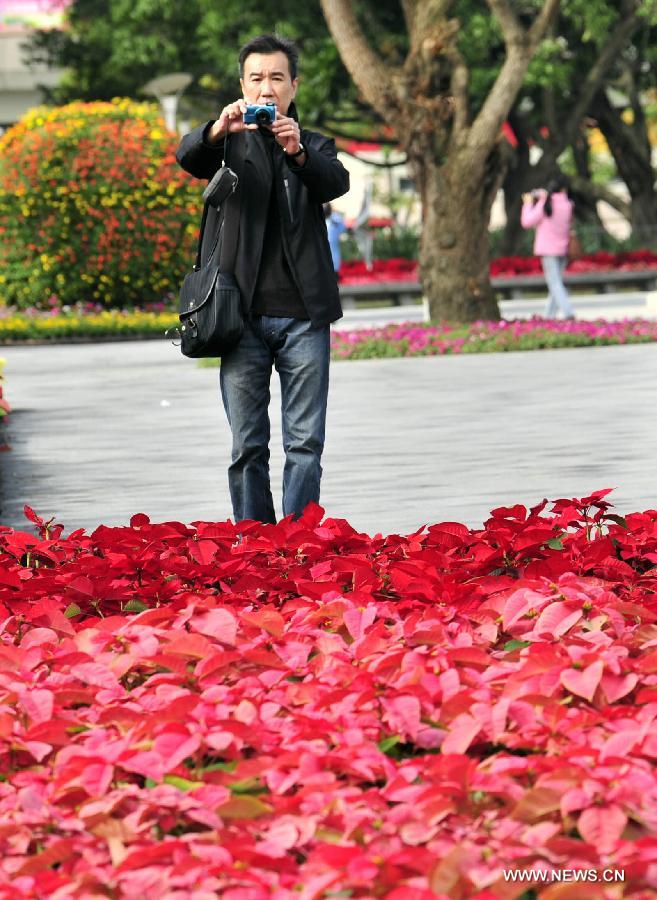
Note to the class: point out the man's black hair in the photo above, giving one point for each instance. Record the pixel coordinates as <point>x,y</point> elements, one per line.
<point>271,43</point>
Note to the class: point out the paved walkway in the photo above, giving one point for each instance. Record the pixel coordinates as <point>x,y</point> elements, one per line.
<point>101,431</point>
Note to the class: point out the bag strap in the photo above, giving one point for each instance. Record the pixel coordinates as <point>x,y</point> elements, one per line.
<point>197,264</point>
<point>231,223</point>
<point>229,247</point>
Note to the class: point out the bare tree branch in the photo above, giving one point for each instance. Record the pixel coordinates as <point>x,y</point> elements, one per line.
<point>371,76</point>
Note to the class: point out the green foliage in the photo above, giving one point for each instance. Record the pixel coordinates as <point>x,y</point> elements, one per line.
<point>111,49</point>
<point>93,207</point>
<point>390,243</point>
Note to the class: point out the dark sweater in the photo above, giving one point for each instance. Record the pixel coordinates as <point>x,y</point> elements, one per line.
<point>276,293</point>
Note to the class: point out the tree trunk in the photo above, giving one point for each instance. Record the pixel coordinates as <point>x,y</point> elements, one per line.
<point>586,207</point>
<point>630,147</point>
<point>456,160</point>
<point>517,180</point>
<point>454,246</point>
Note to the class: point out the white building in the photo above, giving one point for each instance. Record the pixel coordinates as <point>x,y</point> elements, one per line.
<point>19,85</point>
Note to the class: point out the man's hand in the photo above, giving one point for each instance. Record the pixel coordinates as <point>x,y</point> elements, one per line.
<point>287,133</point>
<point>230,121</point>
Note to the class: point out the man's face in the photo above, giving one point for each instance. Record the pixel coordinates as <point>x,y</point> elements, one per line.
<point>267,79</point>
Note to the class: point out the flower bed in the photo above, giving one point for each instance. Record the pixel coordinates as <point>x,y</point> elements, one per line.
<point>408,339</point>
<point>394,269</point>
<point>416,339</point>
<point>355,271</point>
<point>591,262</point>
<point>84,321</point>
<point>316,713</point>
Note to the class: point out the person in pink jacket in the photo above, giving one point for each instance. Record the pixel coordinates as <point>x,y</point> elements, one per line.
<point>550,212</point>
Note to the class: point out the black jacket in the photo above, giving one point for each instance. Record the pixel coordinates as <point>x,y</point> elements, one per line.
<point>301,191</point>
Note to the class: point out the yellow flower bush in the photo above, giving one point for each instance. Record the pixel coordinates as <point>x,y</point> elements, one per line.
<point>82,324</point>
<point>93,207</point>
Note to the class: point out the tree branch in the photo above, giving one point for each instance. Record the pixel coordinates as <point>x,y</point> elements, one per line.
<point>512,30</point>
<point>372,78</point>
<point>542,21</point>
<point>426,14</point>
<point>597,192</point>
<point>619,37</point>
<point>377,165</point>
<point>459,91</point>
<point>520,47</point>
<point>409,9</point>
<point>623,139</point>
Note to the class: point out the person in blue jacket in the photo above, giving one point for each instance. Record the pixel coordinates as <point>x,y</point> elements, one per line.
<point>335,227</point>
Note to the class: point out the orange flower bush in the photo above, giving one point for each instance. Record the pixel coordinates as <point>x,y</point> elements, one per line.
<point>93,206</point>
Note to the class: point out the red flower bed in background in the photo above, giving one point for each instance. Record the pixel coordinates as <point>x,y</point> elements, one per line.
<point>355,271</point>
<point>314,711</point>
<point>591,262</point>
<point>396,269</point>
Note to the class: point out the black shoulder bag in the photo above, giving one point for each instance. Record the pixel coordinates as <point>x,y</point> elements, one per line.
<point>211,317</point>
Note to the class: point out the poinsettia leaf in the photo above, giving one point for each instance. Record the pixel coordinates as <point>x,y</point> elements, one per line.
<point>583,683</point>
<point>139,520</point>
<point>217,623</point>
<point>463,730</point>
<point>243,806</point>
<point>537,803</point>
<point>387,744</point>
<point>556,619</point>
<point>57,852</point>
<point>602,826</point>
<point>617,686</point>
<point>135,605</point>
<point>39,704</point>
<point>183,784</point>
<point>29,513</point>
<point>619,520</point>
<point>516,645</point>
<point>268,619</point>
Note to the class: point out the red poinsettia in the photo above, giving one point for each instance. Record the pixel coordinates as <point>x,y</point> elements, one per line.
<point>308,711</point>
<point>356,272</point>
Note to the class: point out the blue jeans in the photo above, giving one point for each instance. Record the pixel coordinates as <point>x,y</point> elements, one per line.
<point>300,353</point>
<point>558,297</point>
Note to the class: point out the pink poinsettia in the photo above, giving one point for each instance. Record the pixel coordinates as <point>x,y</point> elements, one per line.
<point>310,711</point>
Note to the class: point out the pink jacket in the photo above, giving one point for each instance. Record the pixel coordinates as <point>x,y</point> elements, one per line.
<point>552,232</point>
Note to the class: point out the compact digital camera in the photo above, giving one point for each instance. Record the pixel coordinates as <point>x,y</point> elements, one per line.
<point>257,114</point>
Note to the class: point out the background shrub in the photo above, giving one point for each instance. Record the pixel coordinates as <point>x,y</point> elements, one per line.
<point>93,207</point>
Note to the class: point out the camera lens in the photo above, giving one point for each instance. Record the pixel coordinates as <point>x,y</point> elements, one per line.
<point>263,117</point>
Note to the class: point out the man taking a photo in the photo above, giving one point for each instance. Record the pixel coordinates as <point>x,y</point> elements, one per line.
<point>285,274</point>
